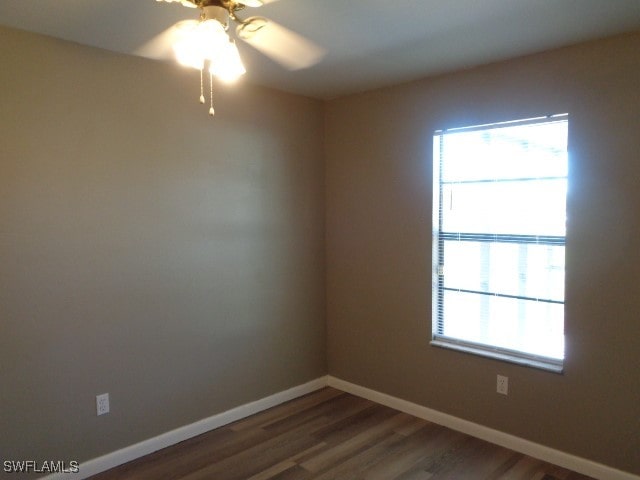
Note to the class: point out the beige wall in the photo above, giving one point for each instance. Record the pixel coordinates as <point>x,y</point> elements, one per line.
<point>147,251</point>
<point>379,195</point>
<point>177,262</point>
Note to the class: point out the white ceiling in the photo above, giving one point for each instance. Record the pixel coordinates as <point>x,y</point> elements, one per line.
<point>370,43</point>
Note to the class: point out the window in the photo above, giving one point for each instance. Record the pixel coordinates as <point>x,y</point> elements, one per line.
<point>499,225</point>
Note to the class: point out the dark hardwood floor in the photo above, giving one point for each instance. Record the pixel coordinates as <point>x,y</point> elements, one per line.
<point>333,435</point>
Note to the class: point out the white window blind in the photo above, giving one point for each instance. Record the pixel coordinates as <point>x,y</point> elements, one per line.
<point>499,239</point>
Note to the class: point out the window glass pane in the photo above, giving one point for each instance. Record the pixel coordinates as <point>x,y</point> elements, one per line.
<point>501,152</point>
<point>500,221</point>
<point>527,326</point>
<point>511,207</point>
<point>524,270</point>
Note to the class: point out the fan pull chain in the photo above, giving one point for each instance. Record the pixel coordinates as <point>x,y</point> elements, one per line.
<point>211,110</point>
<point>201,88</point>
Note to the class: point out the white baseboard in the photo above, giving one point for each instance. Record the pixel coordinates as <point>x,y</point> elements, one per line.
<point>556,457</point>
<point>127,454</point>
<point>547,454</point>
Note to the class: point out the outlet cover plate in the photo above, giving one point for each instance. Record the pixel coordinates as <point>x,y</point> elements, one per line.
<point>502,386</point>
<point>102,404</point>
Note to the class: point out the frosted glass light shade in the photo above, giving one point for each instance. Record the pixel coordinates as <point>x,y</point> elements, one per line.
<point>228,66</point>
<point>203,42</point>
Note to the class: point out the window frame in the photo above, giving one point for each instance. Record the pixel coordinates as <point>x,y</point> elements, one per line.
<point>438,339</point>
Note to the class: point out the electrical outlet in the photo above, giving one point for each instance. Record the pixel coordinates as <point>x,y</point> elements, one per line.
<point>502,386</point>
<point>102,403</point>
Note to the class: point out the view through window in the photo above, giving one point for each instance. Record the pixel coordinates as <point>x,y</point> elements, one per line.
<point>499,239</point>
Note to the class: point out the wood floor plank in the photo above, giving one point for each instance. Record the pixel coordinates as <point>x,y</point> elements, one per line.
<point>405,455</point>
<point>334,410</point>
<point>352,466</point>
<point>279,412</point>
<point>416,475</point>
<point>523,469</point>
<point>438,452</point>
<point>506,466</point>
<point>468,455</point>
<point>261,456</point>
<point>294,473</point>
<point>175,462</point>
<point>412,427</point>
<point>355,443</point>
<point>273,470</point>
<point>482,458</point>
<point>331,435</point>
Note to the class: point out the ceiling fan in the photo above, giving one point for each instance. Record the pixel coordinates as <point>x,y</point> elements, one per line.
<point>206,42</point>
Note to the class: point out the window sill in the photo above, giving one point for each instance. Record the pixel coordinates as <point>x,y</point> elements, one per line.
<point>539,362</point>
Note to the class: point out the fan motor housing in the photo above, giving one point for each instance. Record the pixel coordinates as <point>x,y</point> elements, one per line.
<point>214,12</point>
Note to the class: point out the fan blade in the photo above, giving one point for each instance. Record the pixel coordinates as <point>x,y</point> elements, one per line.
<point>291,50</point>
<point>184,3</point>
<point>160,47</point>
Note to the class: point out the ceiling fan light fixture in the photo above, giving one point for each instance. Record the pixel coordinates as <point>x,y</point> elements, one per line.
<point>206,44</point>
<point>200,43</point>
<point>250,27</point>
<point>228,66</point>
<point>253,3</point>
